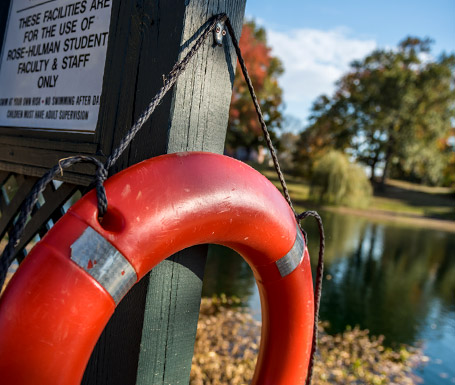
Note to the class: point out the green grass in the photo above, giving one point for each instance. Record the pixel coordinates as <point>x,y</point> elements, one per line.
<point>299,189</point>
<point>414,199</point>
<point>398,206</point>
<point>398,198</point>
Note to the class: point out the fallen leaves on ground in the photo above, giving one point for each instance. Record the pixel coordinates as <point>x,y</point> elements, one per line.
<point>228,338</point>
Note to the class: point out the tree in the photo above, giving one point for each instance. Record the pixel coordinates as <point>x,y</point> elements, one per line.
<point>448,145</point>
<point>390,111</point>
<point>336,180</point>
<point>288,142</point>
<point>329,121</point>
<point>243,126</point>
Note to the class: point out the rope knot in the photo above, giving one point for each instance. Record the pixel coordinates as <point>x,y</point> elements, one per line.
<point>101,175</point>
<point>101,172</point>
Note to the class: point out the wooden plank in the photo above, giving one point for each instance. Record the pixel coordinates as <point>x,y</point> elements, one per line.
<point>51,135</point>
<point>53,141</point>
<point>170,321</point>
<point>68,176</point>
<point>150,33</point>
<point>32,154</point>
<point>25,184</point>
<point>59,145</point>
<point>41,216</point>
<point>202,97</point>
<point>43,158</point>
<point>4,7</point>
<point>193,117</point>
<point>3,177</point>
<point>198,122</point>
<point>146,39</point>
<point>129,25</point>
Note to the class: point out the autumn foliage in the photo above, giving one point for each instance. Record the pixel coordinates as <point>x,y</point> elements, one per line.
<point>393,112</point>
<point>243,127</point>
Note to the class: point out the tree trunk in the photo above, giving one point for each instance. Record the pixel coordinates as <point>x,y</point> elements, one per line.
<point>373,169</point>
<point>388,156</point>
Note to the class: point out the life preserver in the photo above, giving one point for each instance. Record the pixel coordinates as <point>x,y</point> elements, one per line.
<point>57,304</point>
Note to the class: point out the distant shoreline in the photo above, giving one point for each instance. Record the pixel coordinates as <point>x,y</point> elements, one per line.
<point>398,218</point>
<point>400,203</point>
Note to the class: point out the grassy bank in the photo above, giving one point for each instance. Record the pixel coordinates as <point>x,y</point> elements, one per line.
<point>400,202</point>
<point>228,339</point>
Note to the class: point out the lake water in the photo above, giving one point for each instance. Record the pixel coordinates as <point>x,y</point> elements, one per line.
<point>393,280</point>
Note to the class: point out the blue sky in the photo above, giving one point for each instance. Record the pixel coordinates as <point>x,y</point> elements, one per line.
<point>316,40</point>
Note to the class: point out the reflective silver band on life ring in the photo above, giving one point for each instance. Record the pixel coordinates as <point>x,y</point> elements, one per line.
<point>93,253</point>
<point>292,259</point>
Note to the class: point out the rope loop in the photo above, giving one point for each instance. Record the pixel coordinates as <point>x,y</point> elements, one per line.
<point>318,284</point>
<point>101,175</point>
<point>102,169</point>
<point>30,201</point>
<point>299,217</point>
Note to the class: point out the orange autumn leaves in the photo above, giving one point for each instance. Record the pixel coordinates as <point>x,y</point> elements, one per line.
<point>264,69</point>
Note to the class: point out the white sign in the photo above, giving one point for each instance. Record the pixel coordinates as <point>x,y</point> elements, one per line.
<point>52,64</point>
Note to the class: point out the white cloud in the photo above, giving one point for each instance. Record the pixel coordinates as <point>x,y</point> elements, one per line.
<point>313,60</point>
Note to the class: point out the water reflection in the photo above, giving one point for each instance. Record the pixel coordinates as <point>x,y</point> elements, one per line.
<point>226,272</point>
<point>392,280</point>
<point>387,279</point>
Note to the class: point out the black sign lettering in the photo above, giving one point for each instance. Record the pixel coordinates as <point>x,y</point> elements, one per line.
<point>52,56</point>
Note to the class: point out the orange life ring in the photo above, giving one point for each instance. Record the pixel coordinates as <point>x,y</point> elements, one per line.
<point>57,304</point>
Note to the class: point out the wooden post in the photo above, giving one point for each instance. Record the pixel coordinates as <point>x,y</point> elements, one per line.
<point>150,339</point>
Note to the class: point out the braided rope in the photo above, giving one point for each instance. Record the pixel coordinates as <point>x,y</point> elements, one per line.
<point>320,267</point>
<point>102,170</point>
<point>318,286</point>
<point>29,203</point>
<point>169,81</point>
<point>259,113</point>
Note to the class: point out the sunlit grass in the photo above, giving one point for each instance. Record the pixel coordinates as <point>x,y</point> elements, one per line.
<point>397,206</point>
<point>299,189</point>
<point>410,200</point>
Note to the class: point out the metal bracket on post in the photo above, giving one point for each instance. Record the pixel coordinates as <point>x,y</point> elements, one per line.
<point>218,33</point>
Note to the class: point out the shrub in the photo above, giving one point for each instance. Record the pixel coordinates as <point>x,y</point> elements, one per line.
<point>337,181</point>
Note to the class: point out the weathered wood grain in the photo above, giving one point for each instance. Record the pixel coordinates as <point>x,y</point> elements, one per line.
<point>25,184</point>
<point>198,122</point>
<point>150,338</point>
<point>159,344</point>
<point>68,176</point>
<point>51,208</point>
